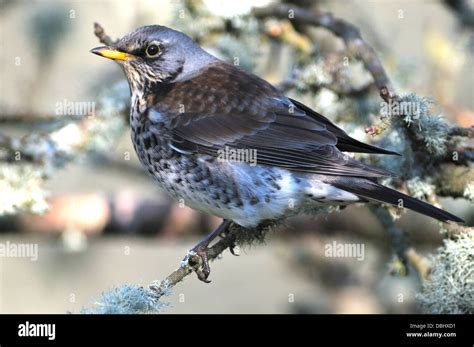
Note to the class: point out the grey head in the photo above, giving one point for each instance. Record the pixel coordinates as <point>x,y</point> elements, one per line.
<point>155,54</point>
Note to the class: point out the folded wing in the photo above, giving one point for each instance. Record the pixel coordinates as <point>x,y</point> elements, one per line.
<point>227,107</point>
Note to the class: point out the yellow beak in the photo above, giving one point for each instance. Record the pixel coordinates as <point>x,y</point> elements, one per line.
<point>110,53</point>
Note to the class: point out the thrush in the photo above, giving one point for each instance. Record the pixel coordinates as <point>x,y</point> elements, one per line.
<point>188,108</point>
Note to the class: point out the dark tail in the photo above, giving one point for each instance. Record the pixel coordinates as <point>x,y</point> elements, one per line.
<point>373,191</point>
<point>348,144</point>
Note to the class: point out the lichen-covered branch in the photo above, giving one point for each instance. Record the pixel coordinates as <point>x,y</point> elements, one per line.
<point>463,132</point>
<point>192,262</point>
<point>348,32</point>
<point>234,236</point>
<point>25,162</point>
<point>129,299</point>
<point>451,285</point>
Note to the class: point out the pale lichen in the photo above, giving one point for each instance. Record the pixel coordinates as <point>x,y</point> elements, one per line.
<point>127,299</point>
<point>419,188</point>
<point>31,159</point>
<point>414,113</point>
<point>469,192</point>
<point>22,189</point>
<point>451,287</point>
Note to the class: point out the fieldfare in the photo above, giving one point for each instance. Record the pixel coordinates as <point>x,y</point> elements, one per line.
<point>189,109</point>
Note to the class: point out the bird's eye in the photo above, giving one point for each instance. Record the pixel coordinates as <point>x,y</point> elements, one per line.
<point>152,50</point>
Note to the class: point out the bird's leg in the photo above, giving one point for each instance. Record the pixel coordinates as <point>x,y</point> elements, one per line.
<point>202,249</point>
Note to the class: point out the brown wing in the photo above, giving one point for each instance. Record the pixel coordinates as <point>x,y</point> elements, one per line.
<point>225,106</point>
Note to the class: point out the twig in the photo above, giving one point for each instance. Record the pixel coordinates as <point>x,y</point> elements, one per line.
<point>102,36</point>
<point>419,263</point>
<point>348,32</point>
<point>286,33</point>
<point>342,90</point>
<point>192,262</point>
<point>464,155</point>
<point>463,132</point>
<point>463,10</point>
<point>28,118</point>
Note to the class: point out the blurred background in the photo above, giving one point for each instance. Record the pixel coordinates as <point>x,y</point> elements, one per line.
<point>71,183</point>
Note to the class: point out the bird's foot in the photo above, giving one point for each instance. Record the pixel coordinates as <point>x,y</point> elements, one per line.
<point>200,262</point>
<point>198,257</point>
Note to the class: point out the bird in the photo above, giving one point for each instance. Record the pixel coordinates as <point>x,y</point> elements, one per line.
<point>188,109</point>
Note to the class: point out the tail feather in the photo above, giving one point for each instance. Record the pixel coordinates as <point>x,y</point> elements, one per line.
<point>376,192</point>
<point>348,144</point>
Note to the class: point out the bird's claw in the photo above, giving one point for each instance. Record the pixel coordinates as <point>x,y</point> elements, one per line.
<point>203,269</point>
<point>199,261</point>
<point>232,244</point>
<point>232,249</point>
<point>202,276</point>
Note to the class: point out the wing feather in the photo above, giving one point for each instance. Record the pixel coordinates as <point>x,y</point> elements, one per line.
<point>224,106</point>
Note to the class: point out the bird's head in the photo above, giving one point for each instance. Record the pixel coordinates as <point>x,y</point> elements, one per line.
<point>155,54</point>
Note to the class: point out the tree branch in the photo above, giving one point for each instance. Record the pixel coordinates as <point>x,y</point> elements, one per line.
<point>235,235</point>
<point>462,132</point>
<point>463,10</point>
<point>346,31</point>
<point>102,36</point>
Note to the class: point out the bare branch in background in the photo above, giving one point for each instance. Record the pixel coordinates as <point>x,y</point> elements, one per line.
<point>29,118</point>
<point>464,9</point>
<point>348,32</point>
<point>341,90</point>
<point>102,36</point>
<point>463,132</point>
